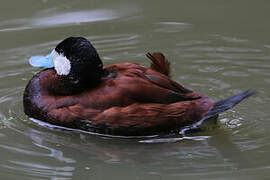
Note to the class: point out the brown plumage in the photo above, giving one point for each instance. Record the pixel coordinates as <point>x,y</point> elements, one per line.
<point>128,99</point>
<point>159,63</point>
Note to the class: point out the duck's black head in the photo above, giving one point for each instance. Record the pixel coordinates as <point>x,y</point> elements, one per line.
<point>76,63</point>
<point>76,58</point>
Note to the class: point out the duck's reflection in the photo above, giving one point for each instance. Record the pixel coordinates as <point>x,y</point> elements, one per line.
<point>61,153</point>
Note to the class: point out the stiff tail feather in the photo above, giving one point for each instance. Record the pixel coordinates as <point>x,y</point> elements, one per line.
<point>159,63</point>
<point>220,107</point>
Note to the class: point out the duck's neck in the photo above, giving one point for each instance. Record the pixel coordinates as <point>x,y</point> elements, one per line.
<point>69,85</point>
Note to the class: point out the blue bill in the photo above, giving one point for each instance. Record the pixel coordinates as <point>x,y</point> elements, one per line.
<point>42,61</point>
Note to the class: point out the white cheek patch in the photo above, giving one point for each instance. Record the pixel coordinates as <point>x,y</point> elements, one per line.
<point>61,63</point>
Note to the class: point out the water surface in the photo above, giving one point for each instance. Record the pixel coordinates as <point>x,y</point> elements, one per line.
<point>215,47</point>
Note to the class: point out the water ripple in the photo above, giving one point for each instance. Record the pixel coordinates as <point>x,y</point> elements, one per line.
<point>216,64</point>
<point>39,170</point>
<point>172,27</point>
<point>56,19</point>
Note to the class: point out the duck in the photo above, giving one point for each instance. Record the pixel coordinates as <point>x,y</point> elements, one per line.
<point>75,90</point>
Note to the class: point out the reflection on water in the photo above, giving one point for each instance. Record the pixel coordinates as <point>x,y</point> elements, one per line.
<point>173,140</point>
<point>75,17</point>
<point>39,170</point>
<point>172,27</point>
<point>54,18</point>
<point>62,19</point>
<point>217,62</point>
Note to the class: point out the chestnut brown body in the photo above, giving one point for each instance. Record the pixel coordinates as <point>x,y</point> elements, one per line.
<point>118,99</point>
<point>129,100</point>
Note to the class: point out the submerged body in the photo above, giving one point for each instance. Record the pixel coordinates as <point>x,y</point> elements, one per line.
<point>126,99</point>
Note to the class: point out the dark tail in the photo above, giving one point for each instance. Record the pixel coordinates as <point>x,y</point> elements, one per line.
<point>220,107</point>
<point>228,103</point>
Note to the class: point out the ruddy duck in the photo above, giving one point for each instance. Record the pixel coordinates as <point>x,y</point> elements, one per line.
<point>76,91</point>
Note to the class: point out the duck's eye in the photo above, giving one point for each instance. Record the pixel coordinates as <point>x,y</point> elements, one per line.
<point>61,51</point>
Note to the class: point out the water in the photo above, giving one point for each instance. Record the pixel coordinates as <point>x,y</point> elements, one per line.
<point>216,47</point>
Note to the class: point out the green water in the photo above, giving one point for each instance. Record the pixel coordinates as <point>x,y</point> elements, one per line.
<point>216,47</point>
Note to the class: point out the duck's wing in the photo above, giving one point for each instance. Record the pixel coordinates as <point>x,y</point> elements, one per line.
<point>176,90</point>
<point>146,85</point>
<point>147,119</point>
<point>159,63</point>
<point>150,88</point>
<point>134,119</point>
